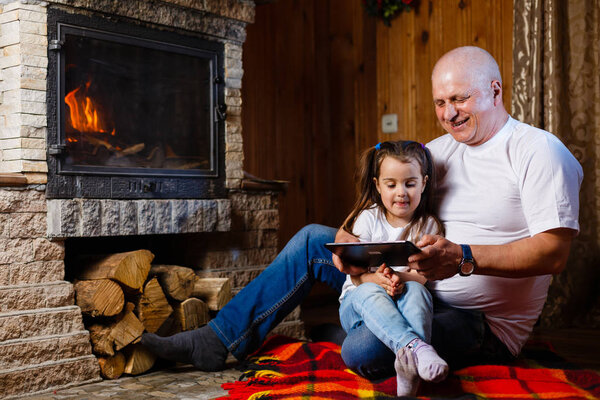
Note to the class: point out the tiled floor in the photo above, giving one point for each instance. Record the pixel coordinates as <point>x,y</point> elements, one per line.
<point>184,383</point>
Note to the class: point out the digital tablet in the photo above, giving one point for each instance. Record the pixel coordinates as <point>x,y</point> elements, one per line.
<point>373,254</point>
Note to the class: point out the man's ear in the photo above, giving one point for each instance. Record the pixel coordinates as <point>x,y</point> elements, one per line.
<point>497,91</point>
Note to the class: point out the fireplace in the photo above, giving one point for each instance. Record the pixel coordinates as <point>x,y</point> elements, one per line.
<point>155,163</point>
<point>133,112</point>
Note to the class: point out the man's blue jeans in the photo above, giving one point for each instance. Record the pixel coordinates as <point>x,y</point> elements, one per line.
<point>395,322</point>
<point>243,324</point>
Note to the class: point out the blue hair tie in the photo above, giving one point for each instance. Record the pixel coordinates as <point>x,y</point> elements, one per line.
<point>378,146</point>
<point>422,146</point>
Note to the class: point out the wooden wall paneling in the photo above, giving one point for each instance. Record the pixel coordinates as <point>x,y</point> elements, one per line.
<point>323,122</point>
<point>506,54</point>
<point>294,67</point>
<point>311,74</point>
<point>342,74</point>
<point>408,50</point>
<point>365,92</point>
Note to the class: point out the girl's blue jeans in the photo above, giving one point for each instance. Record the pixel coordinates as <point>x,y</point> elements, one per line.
<point>243,324</point>
<point>395,322</point>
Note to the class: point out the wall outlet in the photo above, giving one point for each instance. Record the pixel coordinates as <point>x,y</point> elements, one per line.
<point>389,123</point>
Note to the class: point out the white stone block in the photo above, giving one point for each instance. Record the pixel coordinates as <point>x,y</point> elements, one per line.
<point>34,166</point>
<point>34,61</point>
<point>12,132</point>
<point>11,120</point>
<point>13,95</point>
<point>24,154</point>
<point>39,6</point>
<point>34,72</point>
<point>12,50</point>
<point>11,166</point>
<point>33,120</point>
<point>14,143</point>
<point>32,95</point>
<point>10,61</point>
<point>9,108</point>
<point>38,28</point>
<point>34,16</point>
<point>33,107</point>
<point>234,73</point>
<point>32,132</point>
<point>9,33</point>
<point>11,154</point>
<point>34,84</point>
<point>34,49</point>
<point>33,143</point>
<point>233,83</point>
<point>33,38</point>
<point>8,16</point>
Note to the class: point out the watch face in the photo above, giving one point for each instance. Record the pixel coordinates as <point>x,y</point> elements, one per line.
<point>467,268</point>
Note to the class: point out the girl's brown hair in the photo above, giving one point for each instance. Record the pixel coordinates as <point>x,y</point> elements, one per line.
<point>370,164</point>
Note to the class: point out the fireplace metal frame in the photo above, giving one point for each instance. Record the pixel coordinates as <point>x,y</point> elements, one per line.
<point>132,183</point>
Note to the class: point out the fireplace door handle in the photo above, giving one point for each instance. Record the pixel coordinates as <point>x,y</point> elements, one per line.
<point>221,112</point>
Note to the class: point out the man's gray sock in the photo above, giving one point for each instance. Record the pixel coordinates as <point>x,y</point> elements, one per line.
<point>200,347</point>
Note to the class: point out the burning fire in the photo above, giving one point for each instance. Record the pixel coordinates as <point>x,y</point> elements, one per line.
<point>84,113</point>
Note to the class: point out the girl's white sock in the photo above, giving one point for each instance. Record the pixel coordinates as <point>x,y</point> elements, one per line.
<point>430,365</point>
<point>407,378</point>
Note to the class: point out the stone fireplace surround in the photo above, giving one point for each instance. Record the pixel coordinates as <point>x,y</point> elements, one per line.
<point>43,343</point>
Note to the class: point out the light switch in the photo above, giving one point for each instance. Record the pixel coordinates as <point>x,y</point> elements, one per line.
<point>389,123</point>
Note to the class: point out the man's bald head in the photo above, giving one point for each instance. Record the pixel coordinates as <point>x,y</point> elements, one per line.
<point>481,67</point>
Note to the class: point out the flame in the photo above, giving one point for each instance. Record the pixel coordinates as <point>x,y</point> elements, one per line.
<point>84,112</point>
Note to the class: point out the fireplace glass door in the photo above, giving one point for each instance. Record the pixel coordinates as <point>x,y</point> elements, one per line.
<point>136,105</point>
<point>136,112</point>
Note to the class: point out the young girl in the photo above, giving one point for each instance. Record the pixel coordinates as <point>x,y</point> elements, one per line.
<point>395,203</point>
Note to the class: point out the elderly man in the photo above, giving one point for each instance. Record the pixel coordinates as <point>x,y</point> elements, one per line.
<point>509,201</point>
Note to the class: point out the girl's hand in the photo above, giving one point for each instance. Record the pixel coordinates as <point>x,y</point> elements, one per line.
<point>386,278</point>
<point>395,285</point>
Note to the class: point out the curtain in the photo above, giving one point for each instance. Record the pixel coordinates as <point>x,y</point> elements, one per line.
<point>556,87</point>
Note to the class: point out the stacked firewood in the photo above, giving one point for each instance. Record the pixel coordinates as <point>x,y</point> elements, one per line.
<point>123,295</point>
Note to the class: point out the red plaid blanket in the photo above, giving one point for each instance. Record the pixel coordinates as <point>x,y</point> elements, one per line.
<point>288,369</point>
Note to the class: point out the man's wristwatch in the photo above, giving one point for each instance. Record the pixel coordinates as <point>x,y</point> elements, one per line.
<point>467,263</point>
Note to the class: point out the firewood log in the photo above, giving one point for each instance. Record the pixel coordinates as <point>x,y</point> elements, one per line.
<point>127,328</point>
<point>129,269</point>
<point>138,359</point>
<point>102,342</point>
<point>101,297</point>
<point>215,292</point>
<point>170,327</point>
<point>152,307</point>
<point>192,313</point>
<point>176,281</point>
<point>112,367</point>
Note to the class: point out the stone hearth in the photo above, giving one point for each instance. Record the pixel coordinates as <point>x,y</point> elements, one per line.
<point>43,343</point>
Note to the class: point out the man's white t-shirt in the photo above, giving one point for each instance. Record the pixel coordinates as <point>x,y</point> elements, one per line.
<point>371,225</point>
<point>521,182</point>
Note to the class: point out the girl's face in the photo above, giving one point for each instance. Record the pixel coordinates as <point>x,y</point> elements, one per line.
<point>400,185</point>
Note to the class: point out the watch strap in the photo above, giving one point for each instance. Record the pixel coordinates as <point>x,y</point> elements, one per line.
<point>467,254</point>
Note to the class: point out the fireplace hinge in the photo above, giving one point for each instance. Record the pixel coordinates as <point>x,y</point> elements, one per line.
<point>55,44</point>
<point>221,112</point>
<point>56,149</point>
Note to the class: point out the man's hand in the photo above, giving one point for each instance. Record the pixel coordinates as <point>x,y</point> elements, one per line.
<point>344,237</point>
<point>438,259</point>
